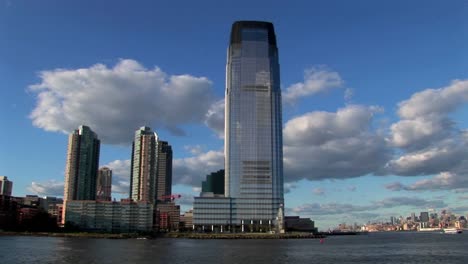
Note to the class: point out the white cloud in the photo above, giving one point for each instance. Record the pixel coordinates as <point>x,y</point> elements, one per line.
<point>316,79</point>
<point>324,145</point>
<point>316,209</point>
<point>193,170</point>
<point>116,101</point>
<point>429,141</point>
<point>425,116</point>
<point>435,102</point>
<point>442,181</point>
<point>120,169</point>
<point>214,118</point>
<point>194,149</point>
<point>419,132</point>
<point>50,188</point>
<point>435,159</point>
<point>120,187</point>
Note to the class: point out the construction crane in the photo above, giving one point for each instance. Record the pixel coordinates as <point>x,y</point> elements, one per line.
<point>170,197</point>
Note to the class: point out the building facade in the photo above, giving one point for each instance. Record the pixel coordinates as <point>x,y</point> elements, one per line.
<point>144,166</point>
<point>6,186</point>
<point>104,184</point>
<point>167,216</point>
<point>123,217</point>
<point>253,131</point>
<point>82,165</point>
<point>164,171</point>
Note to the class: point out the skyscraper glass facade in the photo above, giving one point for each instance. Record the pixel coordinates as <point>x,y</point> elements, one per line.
<point>253,186</point>
<point>253,126</point>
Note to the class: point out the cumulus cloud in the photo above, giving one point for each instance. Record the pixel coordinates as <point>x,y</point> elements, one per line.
<point>120,169</point>
<point>193,170</point>
<point>214,118</point>
<point>429,141</point>
<point>346,208</point>
<point>435,102</point>
<point>115,101</point>
<point>121,187</point>
<point>441,157</point>
<point>324,145</point>
<point>49,188</point>
<point>316,79</point>
<point>194,149</point>
<point>443,181</point>
<point>425,116</point>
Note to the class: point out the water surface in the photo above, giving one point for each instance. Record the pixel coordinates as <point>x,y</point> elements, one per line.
<point>373,248</point>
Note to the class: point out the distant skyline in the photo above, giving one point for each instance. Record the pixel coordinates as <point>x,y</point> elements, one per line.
<point>375,111</point>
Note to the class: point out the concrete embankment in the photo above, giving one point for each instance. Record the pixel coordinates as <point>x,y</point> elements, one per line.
<point>243,236</point>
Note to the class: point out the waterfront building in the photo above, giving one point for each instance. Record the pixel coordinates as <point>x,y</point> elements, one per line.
<point>104,184</point>
<point>186,220</point>
<point>164,171</point>
<point>298,224</point>
<point>8,212</point>
<point>143,166</point>
<point>253,135</point>
<point>82,165</point>
<point>125,216</point>
<point>6,186</point>
<point>424,219</point>
<point>167,216</point>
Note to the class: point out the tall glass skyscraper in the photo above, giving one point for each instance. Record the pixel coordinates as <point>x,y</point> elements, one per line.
<point>253,125</point>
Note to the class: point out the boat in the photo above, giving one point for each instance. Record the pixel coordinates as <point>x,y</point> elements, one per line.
<point>430,229</point>
<point>451,231</point>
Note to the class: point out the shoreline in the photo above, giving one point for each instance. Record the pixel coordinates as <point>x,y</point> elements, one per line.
<point>169,235</point>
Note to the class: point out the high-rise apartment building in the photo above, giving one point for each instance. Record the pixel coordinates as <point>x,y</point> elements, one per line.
<point>82,165</point>
<point>6,186</point>
<point>253,135</point>
<point>164,171</point>
<point>144,166</point>
<point>104,184</point>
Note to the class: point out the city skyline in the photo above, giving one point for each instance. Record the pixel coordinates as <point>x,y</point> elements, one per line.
<point>374,99</point>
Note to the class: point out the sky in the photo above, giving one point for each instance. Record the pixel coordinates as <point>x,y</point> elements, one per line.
<point>375,96</point>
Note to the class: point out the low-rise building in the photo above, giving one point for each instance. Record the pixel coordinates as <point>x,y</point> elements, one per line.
<point>125,216</point>
<point>296,223</point>
<point>186,220</point>
<point>167,216</point>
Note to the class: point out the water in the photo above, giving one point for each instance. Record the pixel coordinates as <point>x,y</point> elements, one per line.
<point>373,248</point>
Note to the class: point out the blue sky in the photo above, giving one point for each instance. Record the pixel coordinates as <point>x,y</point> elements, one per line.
<point>375,96</point>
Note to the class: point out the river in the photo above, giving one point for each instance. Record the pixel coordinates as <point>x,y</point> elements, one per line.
<point>375,248</point>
